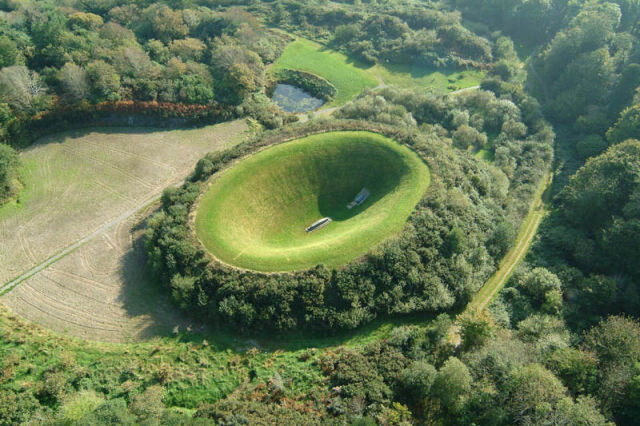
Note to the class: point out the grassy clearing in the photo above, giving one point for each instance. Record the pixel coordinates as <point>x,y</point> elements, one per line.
<point>347,76</point>
<point>352,77</point>
<point>417,77</point>
<point>74,183</point>
<point>254,215</point>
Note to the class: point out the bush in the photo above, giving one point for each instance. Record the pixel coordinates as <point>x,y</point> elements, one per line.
<point>8,173</point>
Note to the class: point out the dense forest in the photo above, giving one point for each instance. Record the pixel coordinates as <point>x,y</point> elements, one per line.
<point>559,345</point>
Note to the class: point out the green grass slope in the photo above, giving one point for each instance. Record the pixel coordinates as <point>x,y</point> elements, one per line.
<point>255,214</point>
<point>305,55</point>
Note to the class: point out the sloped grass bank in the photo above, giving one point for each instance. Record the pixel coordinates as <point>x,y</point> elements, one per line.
<point>254,216</point>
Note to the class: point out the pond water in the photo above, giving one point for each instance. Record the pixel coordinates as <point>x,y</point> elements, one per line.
<point>294,99</point>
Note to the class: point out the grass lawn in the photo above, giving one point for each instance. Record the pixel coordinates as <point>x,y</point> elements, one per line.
<point>255,214</point>
<point>415,76</point>
<point>349,78</point>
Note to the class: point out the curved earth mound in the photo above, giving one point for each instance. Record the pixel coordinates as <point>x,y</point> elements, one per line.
<point>254,215</point>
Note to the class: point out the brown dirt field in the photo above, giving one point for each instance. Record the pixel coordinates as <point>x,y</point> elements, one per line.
<point>75,183</point>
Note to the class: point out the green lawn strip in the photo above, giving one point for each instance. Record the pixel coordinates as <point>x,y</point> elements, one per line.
<point>255,213</point>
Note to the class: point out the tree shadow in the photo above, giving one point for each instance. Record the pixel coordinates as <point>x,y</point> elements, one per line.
<point>142,295</point>
<point>59,137</point>
<point>333,201</point>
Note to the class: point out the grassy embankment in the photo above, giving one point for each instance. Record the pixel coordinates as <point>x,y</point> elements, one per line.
<point>254,215</point>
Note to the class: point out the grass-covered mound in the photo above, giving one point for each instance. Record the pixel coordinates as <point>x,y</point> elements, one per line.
<point>447,249</point>
<point>254,216</point>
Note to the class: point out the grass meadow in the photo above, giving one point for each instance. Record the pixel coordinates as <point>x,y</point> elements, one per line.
<point>349,78</point>
<point>352,77</point>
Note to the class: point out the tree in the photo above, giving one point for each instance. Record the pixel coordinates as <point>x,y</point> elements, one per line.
<point>359,378</point>
<point>539,282</point>
<point>476,328</point>
<point>8,172</point>
<point>502,238</point>
<point>79,405</point>
<point>22,89</point>
<point>75,82</point>
<point>48,32</point>
<point>455,242</point>
<point>345,33</point>
<point>105,81</point>
<point>162,23</point>
<point>615,340</point>
<point>590,146</point>
<point>148,405</point>
<point>416,381</point>
<point>627,126</point>
<point>194,89</point>
<point>465,136</point>
<point>578,369</point>
<point>8,52</point>
<point>452,384</point>
<point>602,188</point>
<point>88,21</point>
<point>238,83</point>
<point>583,412</point>
<point>111,412</point>
<point>535,392</point>
<point>188,49</point>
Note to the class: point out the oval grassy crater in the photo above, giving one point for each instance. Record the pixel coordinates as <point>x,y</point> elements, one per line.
<point>255,214</point>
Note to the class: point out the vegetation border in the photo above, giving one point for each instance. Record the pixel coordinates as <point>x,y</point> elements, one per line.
<point>23,133</point>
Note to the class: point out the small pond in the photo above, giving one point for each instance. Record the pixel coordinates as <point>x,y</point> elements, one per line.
<point>294,99</point>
